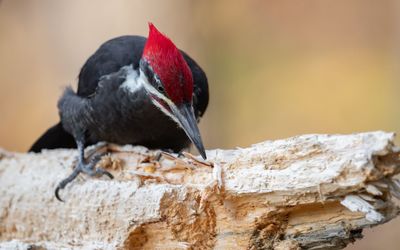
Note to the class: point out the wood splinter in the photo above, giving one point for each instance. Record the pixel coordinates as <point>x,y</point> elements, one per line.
<point>308,192</point>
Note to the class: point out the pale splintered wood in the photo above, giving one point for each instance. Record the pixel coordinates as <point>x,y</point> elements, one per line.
<point>309,191</point>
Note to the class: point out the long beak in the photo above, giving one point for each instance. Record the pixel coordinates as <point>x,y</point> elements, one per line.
<point>185,115</point>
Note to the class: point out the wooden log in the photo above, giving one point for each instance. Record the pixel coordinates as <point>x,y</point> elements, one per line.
<point>310,191</point>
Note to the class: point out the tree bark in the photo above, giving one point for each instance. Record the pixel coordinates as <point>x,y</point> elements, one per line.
<point>310,191</point>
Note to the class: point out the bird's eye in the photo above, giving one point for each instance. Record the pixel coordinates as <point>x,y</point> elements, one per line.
<point>161,89</point>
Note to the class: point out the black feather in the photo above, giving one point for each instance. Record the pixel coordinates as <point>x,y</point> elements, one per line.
<point>100,111</point>
<point>54,137</point>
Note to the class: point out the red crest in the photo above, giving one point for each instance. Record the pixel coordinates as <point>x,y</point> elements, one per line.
<point>169,65</point>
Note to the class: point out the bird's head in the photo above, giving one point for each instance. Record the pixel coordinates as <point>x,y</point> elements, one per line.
<point>169,83</point>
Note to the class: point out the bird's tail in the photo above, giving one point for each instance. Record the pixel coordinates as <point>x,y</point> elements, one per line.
<point>55,137</point>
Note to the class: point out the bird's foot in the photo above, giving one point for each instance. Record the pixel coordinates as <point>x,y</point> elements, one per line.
<point>88,169</point>
<point>100,148</point>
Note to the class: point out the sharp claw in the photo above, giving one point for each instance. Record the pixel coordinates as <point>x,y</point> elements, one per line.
<point>158,156</point>
<point>101,171</point>
<point>57,194</point>
<point>88,169</point>
<point>67,180</point>
<point>109,175</point>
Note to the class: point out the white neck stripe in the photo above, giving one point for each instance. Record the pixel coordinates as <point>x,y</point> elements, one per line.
<point>145,83</point>
<point>134,82</point>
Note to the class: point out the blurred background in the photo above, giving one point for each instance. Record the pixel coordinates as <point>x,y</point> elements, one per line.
<point>276,68</point>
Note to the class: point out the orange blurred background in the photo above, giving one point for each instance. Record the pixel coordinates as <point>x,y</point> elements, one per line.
<point>275,68</point>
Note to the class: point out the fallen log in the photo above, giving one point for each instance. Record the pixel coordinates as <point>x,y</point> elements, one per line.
<point>310,191</point>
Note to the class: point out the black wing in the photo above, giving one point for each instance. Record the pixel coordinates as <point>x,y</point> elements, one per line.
<point>54,137</point>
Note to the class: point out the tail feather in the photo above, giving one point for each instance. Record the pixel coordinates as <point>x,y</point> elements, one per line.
<point>55,137</point>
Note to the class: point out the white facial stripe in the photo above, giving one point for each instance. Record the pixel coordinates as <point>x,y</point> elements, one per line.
<point>165,111</point>
<point>152,90</point>
<point>135,82</point>
<point>132,83</point>
<point>145,83</point>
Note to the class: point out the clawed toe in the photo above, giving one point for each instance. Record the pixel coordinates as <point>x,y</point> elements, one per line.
<point>101,172</point>
<point>96,158</point>
<point>56,193</point>
<point>67,180</point>
<point>88,169</point>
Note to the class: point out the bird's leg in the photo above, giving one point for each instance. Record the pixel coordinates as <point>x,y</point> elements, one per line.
<point>82,166</point>
<point>96,150</point>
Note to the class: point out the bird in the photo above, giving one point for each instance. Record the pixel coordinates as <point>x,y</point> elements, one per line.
<point>132,90</point>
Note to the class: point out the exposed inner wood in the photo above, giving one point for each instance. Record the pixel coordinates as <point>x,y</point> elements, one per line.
<point>310,191</point>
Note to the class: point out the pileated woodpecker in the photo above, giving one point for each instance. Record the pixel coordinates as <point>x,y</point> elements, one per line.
<point>132,90</point>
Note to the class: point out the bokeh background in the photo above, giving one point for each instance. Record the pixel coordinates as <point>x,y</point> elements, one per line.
<point>275,68</point>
